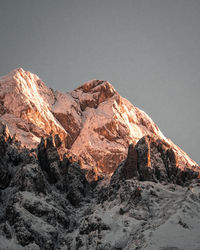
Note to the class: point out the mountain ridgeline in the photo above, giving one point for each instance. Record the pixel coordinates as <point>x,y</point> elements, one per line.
<point>94,123</point>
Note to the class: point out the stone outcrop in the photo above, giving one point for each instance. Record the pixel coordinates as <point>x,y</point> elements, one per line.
<point>130,169</point>
<point>152,159</point>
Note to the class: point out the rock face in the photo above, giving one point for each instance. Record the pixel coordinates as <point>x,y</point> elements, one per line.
<point>152,159</point>
<point>94,122</point>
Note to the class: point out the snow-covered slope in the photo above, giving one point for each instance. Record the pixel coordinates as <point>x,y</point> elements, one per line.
<point>48,204</point>
<point>94,121</point>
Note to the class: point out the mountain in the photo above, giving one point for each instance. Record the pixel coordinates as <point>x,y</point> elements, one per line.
<point>87,170</point>
<point>96,125</point>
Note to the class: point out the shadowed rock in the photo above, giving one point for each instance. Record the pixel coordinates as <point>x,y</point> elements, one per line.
<point>49,158</point>
<point>154,160</point>
<point>130,168</point>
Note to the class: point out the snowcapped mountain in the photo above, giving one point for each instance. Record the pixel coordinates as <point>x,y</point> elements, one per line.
<point>52,195</point>
<point>94,122</point>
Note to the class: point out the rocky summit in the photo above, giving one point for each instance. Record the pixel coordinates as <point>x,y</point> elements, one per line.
<point>88,170</point>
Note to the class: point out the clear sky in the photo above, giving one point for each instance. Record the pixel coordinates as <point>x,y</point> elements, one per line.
<point>148,49</point>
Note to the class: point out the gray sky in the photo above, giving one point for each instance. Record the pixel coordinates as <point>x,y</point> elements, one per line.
<point>148,49</point>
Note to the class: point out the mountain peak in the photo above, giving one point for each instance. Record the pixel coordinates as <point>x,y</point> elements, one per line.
<point>12,73</point>
<point>93,93</point>
<point>94,85</point>
<point>18,70</point>
<point>19,75</point>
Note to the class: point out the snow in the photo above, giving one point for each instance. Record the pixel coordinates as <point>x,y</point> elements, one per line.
<point>9,244</point>
<point>167,220</point>
<point>179,231</point>
<point>174,222</point>
<point>65,104</point>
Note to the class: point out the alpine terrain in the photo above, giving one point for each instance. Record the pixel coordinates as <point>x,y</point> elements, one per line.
<point>88,170</point>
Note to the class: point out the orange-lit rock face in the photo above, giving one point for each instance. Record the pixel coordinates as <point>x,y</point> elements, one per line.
<point>94,122</point>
